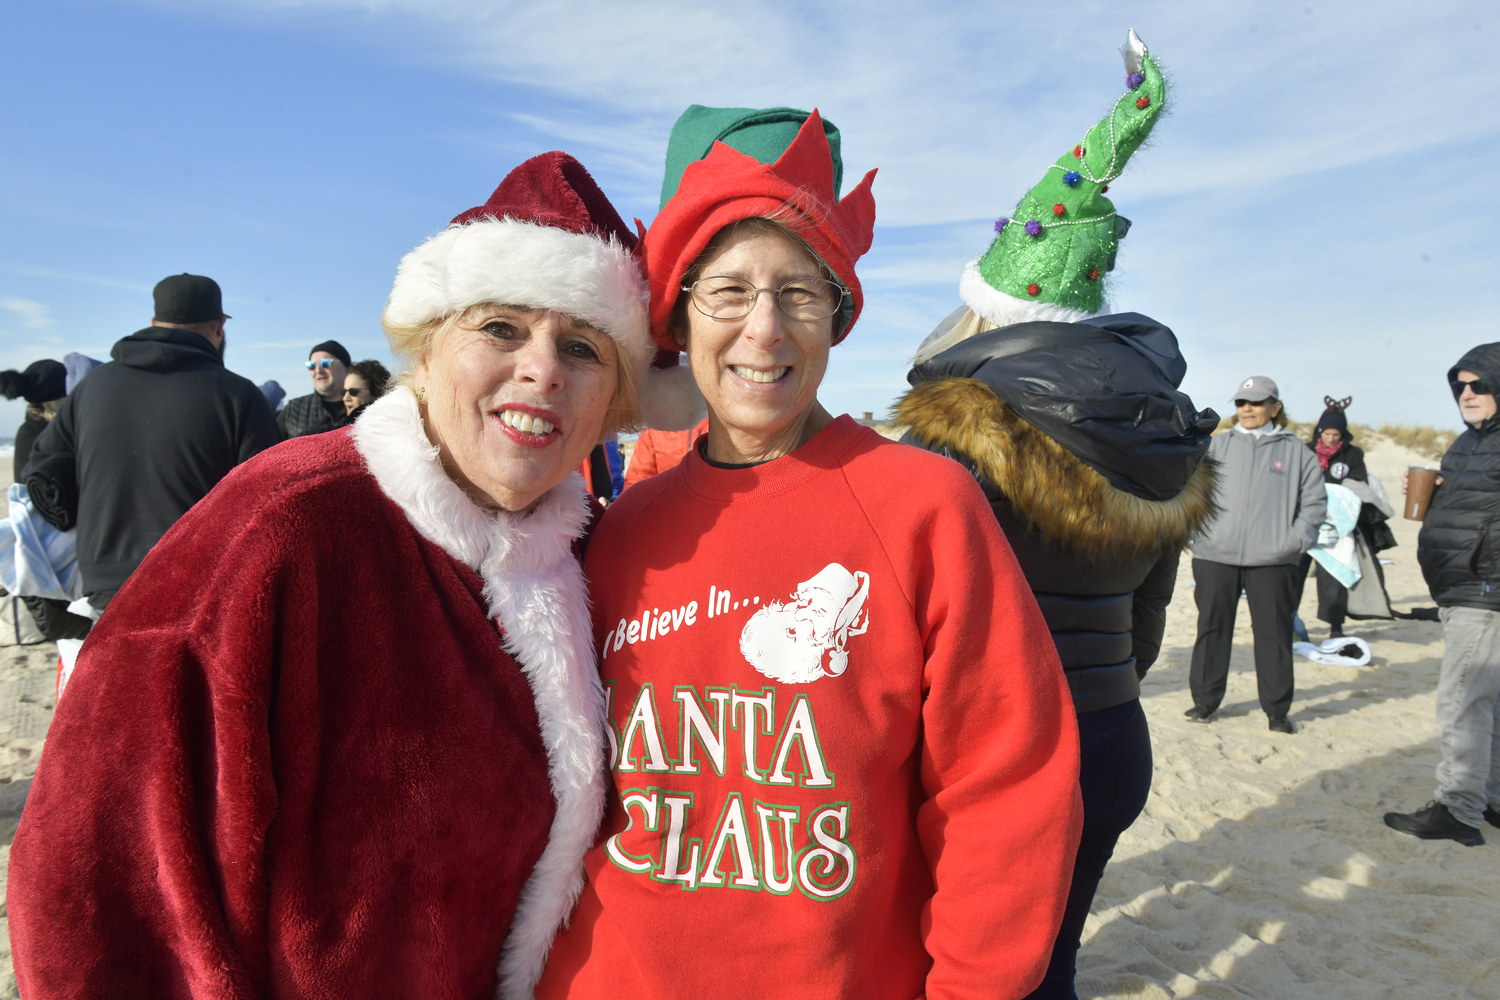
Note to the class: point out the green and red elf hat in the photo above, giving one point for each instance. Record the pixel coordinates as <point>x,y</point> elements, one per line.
<point>1060,242</point>
<point>727,186</point>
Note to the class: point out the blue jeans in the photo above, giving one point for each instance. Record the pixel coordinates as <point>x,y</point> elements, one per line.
<point>1114,751</point>
<point>1468,710</point>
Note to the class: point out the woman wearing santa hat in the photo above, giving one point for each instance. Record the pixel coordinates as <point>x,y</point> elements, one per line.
<point>340,735</point>
<point>839,734</point>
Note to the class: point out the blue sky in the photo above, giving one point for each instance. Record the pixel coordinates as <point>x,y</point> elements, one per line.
<point>1314,208</point>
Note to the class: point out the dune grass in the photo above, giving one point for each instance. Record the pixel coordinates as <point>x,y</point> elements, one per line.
<point>1429,441</point>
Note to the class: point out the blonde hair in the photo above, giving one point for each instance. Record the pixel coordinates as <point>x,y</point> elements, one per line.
<point>968,324</point>
<point>411,343</point>
<point>43,411</point>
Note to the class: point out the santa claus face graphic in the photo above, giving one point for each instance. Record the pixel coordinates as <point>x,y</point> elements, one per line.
<point>789,642</point>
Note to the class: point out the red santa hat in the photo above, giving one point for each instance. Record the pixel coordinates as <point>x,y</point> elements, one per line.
<point>548,238</point>
<point>727,186</point>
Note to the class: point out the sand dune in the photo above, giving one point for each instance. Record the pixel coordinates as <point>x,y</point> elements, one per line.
<point>1260,869</point>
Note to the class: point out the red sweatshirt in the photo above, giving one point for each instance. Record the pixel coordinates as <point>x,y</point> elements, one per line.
<point>844,754</point>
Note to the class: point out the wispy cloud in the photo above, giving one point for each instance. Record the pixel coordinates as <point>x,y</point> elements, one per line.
<point>963,104</point>
<point>33,315</point>
<point>102,281</point>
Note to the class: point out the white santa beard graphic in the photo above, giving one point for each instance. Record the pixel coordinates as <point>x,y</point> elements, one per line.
<point>779,645</point>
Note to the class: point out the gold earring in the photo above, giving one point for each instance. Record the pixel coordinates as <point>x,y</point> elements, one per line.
<point>420,392</point>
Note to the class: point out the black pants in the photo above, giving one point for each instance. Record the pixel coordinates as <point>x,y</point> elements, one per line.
<point>1270,591</point>
<point>1114,764</point>
<point>1333,597</point>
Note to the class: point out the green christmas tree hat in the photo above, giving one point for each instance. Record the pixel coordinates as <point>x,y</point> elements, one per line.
<point>1055,249</point>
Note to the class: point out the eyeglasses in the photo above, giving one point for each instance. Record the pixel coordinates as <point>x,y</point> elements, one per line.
<point>722,297</point>
<point>320,363</point>
<point>1480,386</point>
<point>1253,402</point>
<point>350,391</point>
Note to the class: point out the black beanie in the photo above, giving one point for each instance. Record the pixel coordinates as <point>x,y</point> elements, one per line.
<point>1333,416</point>
<point>41,382</point>
<point>332,347</point>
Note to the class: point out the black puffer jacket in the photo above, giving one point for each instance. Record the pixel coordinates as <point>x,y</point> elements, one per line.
<point>1459,545</point>
<point>1093,464</point>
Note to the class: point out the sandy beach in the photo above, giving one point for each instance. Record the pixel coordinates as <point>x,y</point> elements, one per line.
<point>1261,867</point>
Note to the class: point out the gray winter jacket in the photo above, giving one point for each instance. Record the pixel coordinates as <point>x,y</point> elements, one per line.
<point>1271,492</point>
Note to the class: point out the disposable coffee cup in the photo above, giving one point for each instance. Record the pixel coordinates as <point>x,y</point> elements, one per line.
<point>1420,485</point>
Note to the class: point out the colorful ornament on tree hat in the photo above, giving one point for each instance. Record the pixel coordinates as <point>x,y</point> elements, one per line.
<point>1083,233</point>
<point>1001,223</point>
<point>1143,103</point>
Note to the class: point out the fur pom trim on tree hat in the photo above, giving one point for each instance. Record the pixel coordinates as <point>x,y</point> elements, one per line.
<point>547,238</point>
<point>727,186</point>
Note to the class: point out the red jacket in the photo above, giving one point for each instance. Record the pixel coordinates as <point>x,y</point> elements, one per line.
<point>845,757</point>
<point>658,451</point>
<point>297,758</point>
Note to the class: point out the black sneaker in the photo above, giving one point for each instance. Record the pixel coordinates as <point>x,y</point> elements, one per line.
<point>1492,815</point>
<point>1434,822</point>
<point>1280,724</point>
<point>1199,714</point>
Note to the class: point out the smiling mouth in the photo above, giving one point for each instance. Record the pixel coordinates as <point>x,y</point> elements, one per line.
<point>753,375</point>
<point>526,423</point>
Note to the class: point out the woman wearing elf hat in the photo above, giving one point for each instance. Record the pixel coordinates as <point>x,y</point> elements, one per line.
<point>341,735</point>
<point>838,733</point>
<point>1090,457</point>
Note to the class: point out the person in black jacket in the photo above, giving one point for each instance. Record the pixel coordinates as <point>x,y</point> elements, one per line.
<point>1341,461</point>
<point>1459,551</point>
<point>323,408</point>
<point>1093,464</point>
<point>43,385</point>
<point>146,436</point>
<point>1092,459</point>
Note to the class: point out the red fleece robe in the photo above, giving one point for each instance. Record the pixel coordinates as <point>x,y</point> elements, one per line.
<point>298,759</point>
<point>845,755</point>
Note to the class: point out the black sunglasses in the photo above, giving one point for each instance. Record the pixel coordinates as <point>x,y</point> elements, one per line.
<point>1253,402</point>
<point>1480,386</point>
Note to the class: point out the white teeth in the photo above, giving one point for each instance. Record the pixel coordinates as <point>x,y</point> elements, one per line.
<point>774,375</point>
<point>526,423</point>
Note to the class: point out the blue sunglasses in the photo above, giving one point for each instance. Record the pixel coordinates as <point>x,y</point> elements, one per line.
<point>320,363</point>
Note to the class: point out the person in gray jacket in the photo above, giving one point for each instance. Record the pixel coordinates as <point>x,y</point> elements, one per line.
<point>1271,492</point>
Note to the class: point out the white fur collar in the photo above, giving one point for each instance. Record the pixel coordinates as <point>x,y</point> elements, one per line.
<point>535,587</point>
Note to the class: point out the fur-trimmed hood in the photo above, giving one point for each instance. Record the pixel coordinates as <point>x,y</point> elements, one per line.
<point>535,588</point>
<point>1069,504</point>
